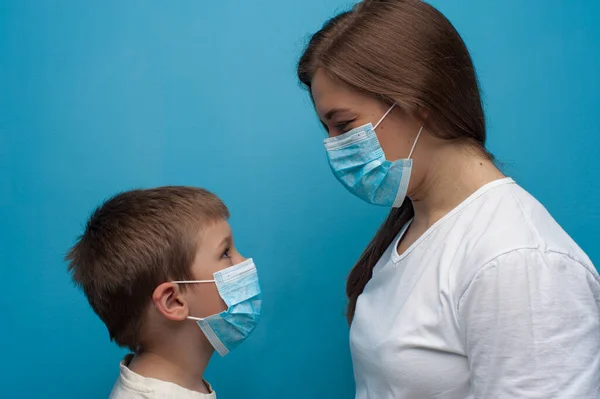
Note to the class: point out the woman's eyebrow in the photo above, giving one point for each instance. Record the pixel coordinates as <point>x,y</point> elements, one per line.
<point>331,113</point>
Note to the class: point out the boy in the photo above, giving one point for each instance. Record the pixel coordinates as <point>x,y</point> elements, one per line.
<point>151,262</point>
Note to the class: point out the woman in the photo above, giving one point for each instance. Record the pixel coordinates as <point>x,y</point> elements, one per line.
<point>470,289</point>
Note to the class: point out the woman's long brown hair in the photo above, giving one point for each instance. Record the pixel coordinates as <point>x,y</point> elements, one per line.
<point>407,52</point>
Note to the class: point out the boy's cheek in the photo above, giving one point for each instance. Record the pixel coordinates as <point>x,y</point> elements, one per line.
<point>208,302</point>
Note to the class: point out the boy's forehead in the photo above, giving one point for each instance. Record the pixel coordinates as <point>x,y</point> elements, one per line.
<point>214,233</point>
<point>214,239</point>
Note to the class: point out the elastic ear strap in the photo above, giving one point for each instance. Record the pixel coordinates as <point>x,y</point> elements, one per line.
<point>194,282</point>
<point>384,115</point>
<point>415,143</point>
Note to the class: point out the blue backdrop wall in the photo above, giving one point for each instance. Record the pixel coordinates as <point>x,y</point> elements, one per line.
<point>98,97</point>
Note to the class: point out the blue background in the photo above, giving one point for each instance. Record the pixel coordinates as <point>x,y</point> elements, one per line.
<point>102,96</point>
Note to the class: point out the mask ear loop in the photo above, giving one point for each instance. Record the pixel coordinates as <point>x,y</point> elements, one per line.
<point>384,115</point>
<point>194,282</point>
<point>418,134</point>
<point>415,143</point>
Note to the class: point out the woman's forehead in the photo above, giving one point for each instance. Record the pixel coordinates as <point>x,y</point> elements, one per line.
<point>330,95</point>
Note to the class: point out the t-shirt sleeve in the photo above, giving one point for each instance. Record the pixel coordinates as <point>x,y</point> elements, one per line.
<point>530,321</point>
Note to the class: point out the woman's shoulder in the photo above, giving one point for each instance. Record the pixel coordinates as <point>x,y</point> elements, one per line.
<point>507,217</point>
<point>509,220</point>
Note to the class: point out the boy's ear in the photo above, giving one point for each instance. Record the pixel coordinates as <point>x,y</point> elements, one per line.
<point>169,301</point>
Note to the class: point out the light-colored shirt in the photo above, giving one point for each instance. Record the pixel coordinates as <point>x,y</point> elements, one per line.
<point>494,300</point>
<point>131,385</point>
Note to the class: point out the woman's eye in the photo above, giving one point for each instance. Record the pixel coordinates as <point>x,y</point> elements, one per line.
<point>226,254</point>
<point>343,127</point>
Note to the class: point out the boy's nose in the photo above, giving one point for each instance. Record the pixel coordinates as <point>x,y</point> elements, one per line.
<point>239,259</point>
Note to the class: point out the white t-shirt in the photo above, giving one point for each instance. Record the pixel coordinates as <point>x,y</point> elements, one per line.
<point>494,300</point>
<point>131,385</point>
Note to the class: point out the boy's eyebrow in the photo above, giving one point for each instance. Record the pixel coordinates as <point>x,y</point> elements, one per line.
<point>226,241</point>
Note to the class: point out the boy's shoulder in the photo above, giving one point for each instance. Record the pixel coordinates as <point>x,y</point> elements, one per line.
<point>131,385</point>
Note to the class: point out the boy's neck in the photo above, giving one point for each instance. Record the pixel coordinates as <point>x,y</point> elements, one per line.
<point>178,364</point>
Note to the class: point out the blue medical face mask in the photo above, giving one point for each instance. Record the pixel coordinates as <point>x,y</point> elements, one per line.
<point>238,286</point>
<point>358,162</point>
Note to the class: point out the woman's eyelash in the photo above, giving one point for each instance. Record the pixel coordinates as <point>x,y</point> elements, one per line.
<point>226,253</point>
<point>343,125</point>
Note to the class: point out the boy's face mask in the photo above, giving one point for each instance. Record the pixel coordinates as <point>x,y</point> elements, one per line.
<point>239,288</point>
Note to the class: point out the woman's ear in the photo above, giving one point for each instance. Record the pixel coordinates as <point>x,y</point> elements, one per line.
<point>422,114</point>
<point>169,301</point>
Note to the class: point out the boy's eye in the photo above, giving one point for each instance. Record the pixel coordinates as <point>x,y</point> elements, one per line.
<point>226,254</point>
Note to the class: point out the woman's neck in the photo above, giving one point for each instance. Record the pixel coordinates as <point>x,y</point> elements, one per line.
<point>452,176</point>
